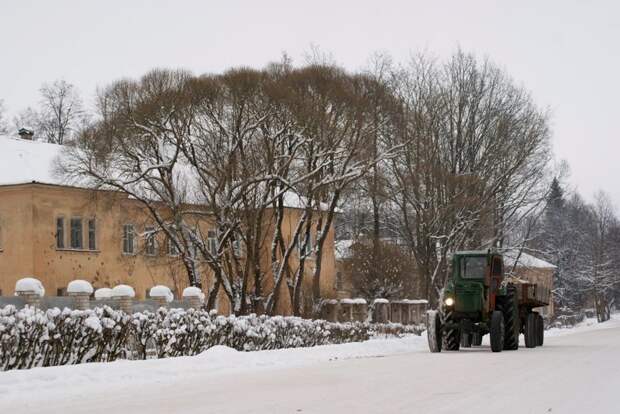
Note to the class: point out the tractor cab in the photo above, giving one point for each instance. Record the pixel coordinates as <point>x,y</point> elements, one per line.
<point>474,279</point>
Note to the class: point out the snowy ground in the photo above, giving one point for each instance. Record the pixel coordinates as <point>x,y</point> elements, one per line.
<point>578,370</point>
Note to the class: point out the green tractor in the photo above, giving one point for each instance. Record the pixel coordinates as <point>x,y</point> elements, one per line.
<point>477,300</point>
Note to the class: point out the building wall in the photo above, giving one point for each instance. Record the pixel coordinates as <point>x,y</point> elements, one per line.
<point>28,240</point>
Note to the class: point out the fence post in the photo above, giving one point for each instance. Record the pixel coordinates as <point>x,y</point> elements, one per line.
<point>31,290</point>
<point>194,297</point>
<point>381,311</point>
<point>80,291</point>
<point>124,294</point>
<point>161,294</point>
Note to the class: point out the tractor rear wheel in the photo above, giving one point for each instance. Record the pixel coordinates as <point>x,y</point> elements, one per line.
<point>451,335</point>
<point>476,338</point>
<point>540,330</point>
<point>497,331</point>
<point>433,330</point>
<point>512,323</point>
<point>531,331</point>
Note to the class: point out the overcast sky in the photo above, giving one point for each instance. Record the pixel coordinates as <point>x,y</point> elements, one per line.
<point>567,53</point>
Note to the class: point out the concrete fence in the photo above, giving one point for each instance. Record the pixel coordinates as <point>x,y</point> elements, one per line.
<point>406,312</point>
<point>81,295</point>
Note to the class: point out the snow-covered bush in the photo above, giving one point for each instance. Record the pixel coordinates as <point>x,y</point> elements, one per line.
<point>31,337</point>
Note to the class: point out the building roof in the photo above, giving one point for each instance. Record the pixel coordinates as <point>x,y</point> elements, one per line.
<point>23,161</point>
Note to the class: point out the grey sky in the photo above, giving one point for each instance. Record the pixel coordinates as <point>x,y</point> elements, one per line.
<point>565,52</point>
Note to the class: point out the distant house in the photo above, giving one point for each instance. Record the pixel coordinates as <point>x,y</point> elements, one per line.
<point>534,270</point>
<point>59,233</point>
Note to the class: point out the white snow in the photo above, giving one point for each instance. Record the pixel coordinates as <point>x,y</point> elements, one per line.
<point>103,293</point>
<point>93,323</point>
<point>23,161</point>
<point>161,291</point>
<point>30,284</point>
<point>526,260</point>
<point>193,292</point>
<point>79,286</point>
<point>343,249</point>
<point>123,291</point>
<point>576,371</point>
<point>380,300</point>
<point>356,301</point>
<point>413,301</point>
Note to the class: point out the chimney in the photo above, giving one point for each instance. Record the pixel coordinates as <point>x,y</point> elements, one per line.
<point>26,133</point>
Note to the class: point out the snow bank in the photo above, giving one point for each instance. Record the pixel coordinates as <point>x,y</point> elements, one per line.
<point>380,300</point>
<point>103,293</point>
<point>193,292</point>
<point>161,291</point>
<point>30,284</point>
<point>123,291</point>
<point>79,286</point>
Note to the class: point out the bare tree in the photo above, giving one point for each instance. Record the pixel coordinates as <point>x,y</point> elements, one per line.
<point>476,148</point>
<point>4,127</point>
<point>61,112</point>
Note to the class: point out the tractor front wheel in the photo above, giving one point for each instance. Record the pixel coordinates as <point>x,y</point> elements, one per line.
<point>451,333</point>
<point>433,330</point>
<point>497,331</point>
<point>531,330</point>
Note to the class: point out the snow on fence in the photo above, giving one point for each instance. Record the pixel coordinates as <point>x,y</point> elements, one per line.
<point>32,337</point>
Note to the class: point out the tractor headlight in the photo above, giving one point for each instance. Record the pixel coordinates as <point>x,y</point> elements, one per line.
<point>449,301</point>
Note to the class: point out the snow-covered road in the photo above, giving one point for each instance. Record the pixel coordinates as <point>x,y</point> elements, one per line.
<point>576,371</point>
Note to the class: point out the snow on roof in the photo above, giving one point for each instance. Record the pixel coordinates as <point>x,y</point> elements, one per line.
<point>526,260</point>
<point>24,161</point>
<point>343,249</point>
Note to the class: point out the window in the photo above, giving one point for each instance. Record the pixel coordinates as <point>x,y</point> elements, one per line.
<point>76,233</point>
<point>473,267</point>
<point>128,239</point>
<point>60,233</point>
<point>497,266</point>
<point>149,241</point>
<point>172,248</point>
<point>92,235</point>
<point>212,242</point>
<point>308,248</point>
<point>236,246</point>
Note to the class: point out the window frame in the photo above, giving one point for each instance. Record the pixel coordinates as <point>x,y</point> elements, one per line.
<point>125,239</point>
<point>60,236</point>
<point>80,233</point>
<point>92,233</point>
<point>150,241</point>
<point>212,242</point>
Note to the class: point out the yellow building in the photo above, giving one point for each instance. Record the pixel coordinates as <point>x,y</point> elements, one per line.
<point>60,233</point>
